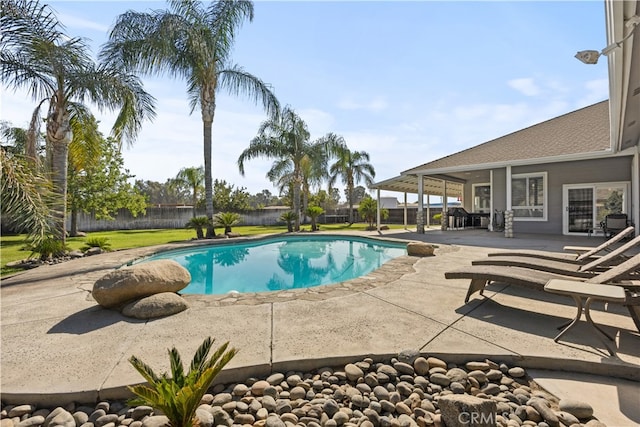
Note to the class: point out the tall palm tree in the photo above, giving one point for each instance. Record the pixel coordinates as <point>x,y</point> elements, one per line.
<point>193,42</point>
<point>286,139</point>
<point>59,73</point>
<point>193,178</point>
<point>351,167</point>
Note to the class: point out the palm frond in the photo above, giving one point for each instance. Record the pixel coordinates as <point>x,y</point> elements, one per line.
<point>177,370</point>
<point>144,370</point>
<point>24,196</point>
<point>237,81</point>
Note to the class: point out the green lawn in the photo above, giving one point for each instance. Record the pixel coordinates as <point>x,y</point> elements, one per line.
<point>12,247</point>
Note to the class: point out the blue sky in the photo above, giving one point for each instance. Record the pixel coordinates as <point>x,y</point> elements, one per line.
<point>408,82</point>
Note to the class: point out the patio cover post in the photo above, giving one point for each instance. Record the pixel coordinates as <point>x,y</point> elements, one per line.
<point>420,215</point>
<point>428,221</point>
<point>443,215</point>
<point>635,190</point>
<point>405,209</point>
<point>378,211</point>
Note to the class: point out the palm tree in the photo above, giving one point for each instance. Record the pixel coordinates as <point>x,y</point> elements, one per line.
<point>286,139</point>
<point>59,73</point>
<point>351,167</point>
<point>193,42</point>
<point>192,178</point>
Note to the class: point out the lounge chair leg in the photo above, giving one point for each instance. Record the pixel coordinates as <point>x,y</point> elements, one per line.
<point>474,286</point>
<point>587,314</point>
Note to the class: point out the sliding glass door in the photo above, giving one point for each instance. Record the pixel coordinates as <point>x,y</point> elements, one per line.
<point>586,205</point>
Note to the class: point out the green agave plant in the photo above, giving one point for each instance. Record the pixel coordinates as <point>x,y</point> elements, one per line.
<point>179,395</point>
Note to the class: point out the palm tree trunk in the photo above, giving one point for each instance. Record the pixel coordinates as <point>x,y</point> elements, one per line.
<point>73,229</point>
<point>208,111</point>
<point>296,203</point>
<point>59,137</point>
<point>350,189</point>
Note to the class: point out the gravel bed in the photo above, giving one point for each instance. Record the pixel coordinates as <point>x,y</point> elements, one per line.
<point>409,390</point>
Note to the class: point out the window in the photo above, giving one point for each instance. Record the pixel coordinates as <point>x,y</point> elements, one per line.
<point>529,196</point>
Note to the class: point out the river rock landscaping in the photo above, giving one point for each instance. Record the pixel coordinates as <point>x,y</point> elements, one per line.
<point>410,390</point>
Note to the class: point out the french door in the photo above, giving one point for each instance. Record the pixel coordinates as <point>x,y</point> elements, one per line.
<point>586,205</point>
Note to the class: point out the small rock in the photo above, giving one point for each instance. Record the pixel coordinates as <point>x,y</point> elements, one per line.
<point>31,422</point>
<point>353,372</point>
<point>18,411</point>
<point>516,372</point>
<point>275,379</point>
<point>434,362</point>
<point>567,419</point>
<point>257,389</point>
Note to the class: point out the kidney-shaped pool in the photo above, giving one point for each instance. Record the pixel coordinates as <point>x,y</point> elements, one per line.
<point>280,263</point>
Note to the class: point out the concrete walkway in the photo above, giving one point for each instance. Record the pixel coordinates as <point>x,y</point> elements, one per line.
<point>58,345</point>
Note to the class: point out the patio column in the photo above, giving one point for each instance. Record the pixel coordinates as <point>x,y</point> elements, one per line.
<point>491,214</point>
<point>635,190</point>
<point>508,214</point>
<point>420,214</point>
<point>444,215</point>
<point>405,209</point>
<point>428,211</point>
<point>378,212</point>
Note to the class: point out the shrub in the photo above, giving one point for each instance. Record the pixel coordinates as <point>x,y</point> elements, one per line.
<point>368,209</point>
<point>437,217</point>
<point>198,223</point>
<point>179,395</point>
<point>226,220</point>
<point>289,217</point>
<point>314,212</point>
<point>96,242</point>
<point>49,248</point>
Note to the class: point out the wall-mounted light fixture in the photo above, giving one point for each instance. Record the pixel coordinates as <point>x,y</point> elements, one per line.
<point>591,56</point>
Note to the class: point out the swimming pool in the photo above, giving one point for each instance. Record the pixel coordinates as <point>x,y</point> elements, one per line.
<point>288,262</point>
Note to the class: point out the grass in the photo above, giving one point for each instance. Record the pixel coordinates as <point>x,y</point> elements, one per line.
<point>12,248</point>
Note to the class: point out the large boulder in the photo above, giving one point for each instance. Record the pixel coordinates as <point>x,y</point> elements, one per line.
<point>420,249</point>
<point>140,280</point>
<point>158,305</point>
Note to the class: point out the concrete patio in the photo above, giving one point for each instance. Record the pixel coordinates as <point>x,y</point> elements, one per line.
<point>58,345</point>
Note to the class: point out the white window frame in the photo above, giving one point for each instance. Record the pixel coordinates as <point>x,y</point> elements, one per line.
<point>545,206</point>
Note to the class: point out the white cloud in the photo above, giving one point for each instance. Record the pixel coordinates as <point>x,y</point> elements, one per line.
<point>71,21</point>
<point>595,91</point>
<point>526,86</point>
<point>375,105</point>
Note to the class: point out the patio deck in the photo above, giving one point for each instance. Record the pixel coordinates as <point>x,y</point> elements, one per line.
<point>58,345</point>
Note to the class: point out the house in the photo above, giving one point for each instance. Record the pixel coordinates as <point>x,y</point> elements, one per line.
<point>561,176</point>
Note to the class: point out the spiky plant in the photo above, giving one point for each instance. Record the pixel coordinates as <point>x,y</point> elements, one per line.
<point>179,395</point>
<point>96,242</point>
<point>199,223</point>
<point>314,212</point>
<point>226,220</point>
<point>289,217</point>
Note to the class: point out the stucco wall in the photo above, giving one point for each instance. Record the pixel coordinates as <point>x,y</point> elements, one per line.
<point>558,174</point>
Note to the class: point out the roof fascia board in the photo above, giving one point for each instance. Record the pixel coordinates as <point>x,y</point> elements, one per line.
<point>524,162</point>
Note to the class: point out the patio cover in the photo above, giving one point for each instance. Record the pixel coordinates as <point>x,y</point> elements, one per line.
<point>434,185</point>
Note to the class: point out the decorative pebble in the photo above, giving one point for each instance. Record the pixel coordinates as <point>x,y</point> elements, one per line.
<point>402,392</point>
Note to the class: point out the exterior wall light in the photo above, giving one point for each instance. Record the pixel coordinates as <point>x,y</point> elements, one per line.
<point>591,56</point>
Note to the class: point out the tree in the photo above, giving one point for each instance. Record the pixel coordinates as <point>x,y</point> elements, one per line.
<point>59,73</point>
<point>102,187</point>
<point>167,193</point>
<point>368,210</point>
<point>193,178</point>
<point>228,198</point>
<point>226,220</point>
<point>286,140</point>
<point>351,167</point>
<point>192,42</point>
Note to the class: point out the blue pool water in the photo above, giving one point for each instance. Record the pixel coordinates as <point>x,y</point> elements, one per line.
<point>281,263</point>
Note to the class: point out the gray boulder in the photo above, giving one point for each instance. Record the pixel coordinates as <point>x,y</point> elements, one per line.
<point>158,305</point>
<point>140,280</point>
